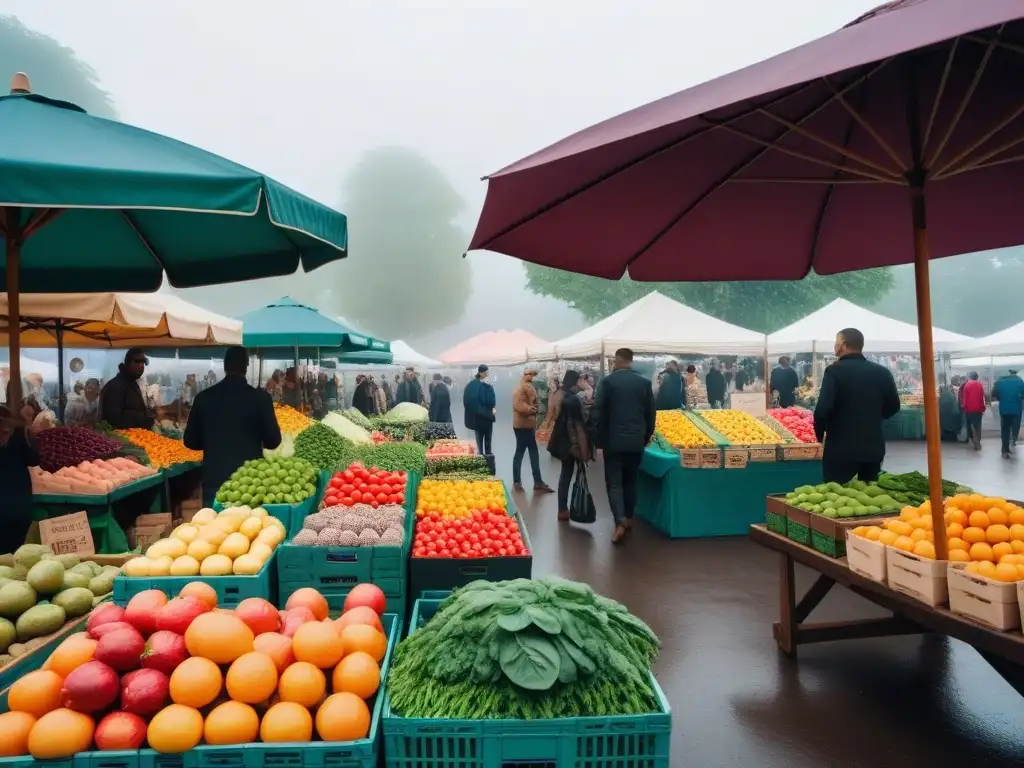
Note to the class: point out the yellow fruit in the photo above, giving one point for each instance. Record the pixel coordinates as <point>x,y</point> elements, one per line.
<point>246,565</point>
<point>999,549</point>
<point>213,534</point>
<point>872,533</point>
<point>679,430</point>
<point>909,514</point>
<point>1006,572</point>
<point>271,536</point>
<point>160,566</point>
<point>200,549</point>
<point>273,522</point>
<point>261,551</point>
<point>1016,516</point>
<point>996,533</point>
<point>925,549</point>
<point>888,538</point>
<point>979,520</point>
<point>981,551</point>
<point>954,515</point>
<point>227,523</point>
<point>740,428</point>
<point>137,566</point>
<point>216,565</point>
<point>973,535</point>
<point>899,527</point>
<point>905,543</point>
<point>1011,558</point>
<point>955,543</point>
<point>959,556</point>
<point>167,548</point>
<point>251,527</point>
<point>987,569</point>
<point>860,530</point>
<point>259,512</point>
<point>954,530</point>
<point>187,533</point>
<point>203,516</point>
<point>998,516</point>
<point>185,566</point>
<point>235,545</point>
<point>1018,546</point>
<point>919,534</point>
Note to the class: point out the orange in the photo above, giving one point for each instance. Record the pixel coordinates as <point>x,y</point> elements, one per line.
<point>302,683</point>
<point>360,637</point>
<point>196,682</point>
<point>361,614</point>
<point>1000,549</point>
<point>309,598</point>
<point>36,693</point>
<point>919,534</point>
<point>1006,572</point>
<point>219,637</point>
<point>277,646</point>
<point>343,717</point>
<point>320,644</point>
<point>175,729</point>
<point>1017,516</point>
<point>959,556</point>
<point>888,538</point>
<point>998,516</point>
<point>955,543</point>
<point>925,549</point>
<point>909,514</point>
<point>1018,547</point>
<point>954,530</point>
<point>979,520</point>
<point>954,515</point>
<point>73,652</point>
<point>981,551</point>
<point>905,543</point>
<point>202,591</point>
<point>231,723</point>
<point>14,730</point>
<point>973,535</point>
<point>60,734</point>
<point>899,527</point>
<point>1017,532</point>
<point>287,721</point>
<point>251,678</point>
<point>997,532</point>
<point>357,673</point>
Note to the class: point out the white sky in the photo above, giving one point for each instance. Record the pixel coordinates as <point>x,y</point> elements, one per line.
<point>298,90</point>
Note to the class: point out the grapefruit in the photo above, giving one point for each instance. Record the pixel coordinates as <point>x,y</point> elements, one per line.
<point>308,597</point>
<point>302,683</point>
<point>343,717</point>
<point>219,637</point>
<point>36,693</point>
<point>357,673</point>
<point>251,678</point>
<point>286,721</point>
<point>195,682</point>
<point>175,729</point>
<point>60,734</point>
<point>319,643</point>
<point>231,723</point>
<point>361,637</point>
<point>14,730</point>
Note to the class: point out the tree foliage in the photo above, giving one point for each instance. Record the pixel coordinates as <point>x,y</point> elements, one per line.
<point>759,306</point>
<point>54,69</point>
<point>406,270</point>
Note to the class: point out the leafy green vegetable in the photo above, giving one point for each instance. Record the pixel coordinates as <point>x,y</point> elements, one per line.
<point>395,456</point>
<point>476,465</point>
<point>525,649</point>
<point>324,448</point>
<point>356,417</point>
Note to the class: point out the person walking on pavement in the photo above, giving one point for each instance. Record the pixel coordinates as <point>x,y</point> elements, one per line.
<point>856,397</point>
<point>570,441</point>
<point>231,422</point>
<point>478,404</point>
<point>440,410</point>
<point>410,391</point>
<point>524,425</point>
<point>1009,392</point>
<point>784,381</point>
<point>122,404</point>
<point>972,400</point>
<point>624,426</point>
<point>671,395</point>
<point>714,382</point>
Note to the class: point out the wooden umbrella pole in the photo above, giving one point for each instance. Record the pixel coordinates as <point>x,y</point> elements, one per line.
<point>931,397</point>
<point>13,233</point>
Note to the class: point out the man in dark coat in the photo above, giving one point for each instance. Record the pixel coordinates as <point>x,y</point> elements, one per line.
<point>440,401</point>
<point>784,381</point>
<point>671,394</point>
<point>121,402</point>
<point>715,384</point>
<point>478,402</point>
<point>624,416</point>
<point>856,397</point>
<point>362,398</point>
<point>231,422</point>
<point>410,391</point>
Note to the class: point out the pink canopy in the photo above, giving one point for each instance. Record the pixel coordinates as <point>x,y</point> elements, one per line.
<point>497,347</point>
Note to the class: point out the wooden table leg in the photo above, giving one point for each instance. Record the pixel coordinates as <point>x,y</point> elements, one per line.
<point>785,630</point>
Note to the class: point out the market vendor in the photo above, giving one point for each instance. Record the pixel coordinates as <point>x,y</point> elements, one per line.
<point>671,395</point>
<point>122,404</point>
<point>231,422</point>
<point>784,381</point>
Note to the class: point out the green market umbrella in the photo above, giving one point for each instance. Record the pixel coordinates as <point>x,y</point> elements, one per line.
<point>288,324</point>
<point>90,204</point>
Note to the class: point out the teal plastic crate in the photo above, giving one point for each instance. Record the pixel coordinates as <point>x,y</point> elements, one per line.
<point>231,590</point>
<point>626,741</point>
<point>363,753</point>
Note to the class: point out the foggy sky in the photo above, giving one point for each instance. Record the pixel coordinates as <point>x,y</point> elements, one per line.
<point>299,90</point>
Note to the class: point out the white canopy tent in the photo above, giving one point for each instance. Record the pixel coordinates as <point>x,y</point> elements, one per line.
<point>403,354</point>
<point>882,335</point>
<point>1009,341</point>
<point>655,325</point>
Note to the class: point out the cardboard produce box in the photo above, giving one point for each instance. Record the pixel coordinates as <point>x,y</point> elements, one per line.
<point>917,576</point>
<point>149,528</point>
<point>992,603</point>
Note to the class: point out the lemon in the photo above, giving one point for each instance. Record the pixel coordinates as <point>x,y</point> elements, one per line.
<point>187,533</point>
<point>261,551</point>
<point>228,523</point>
<point>156,549</point>
<point>273,522</point>
<point>200,549</point>
<point>185,566</point>
<point>249,565</point>
<point>137,566</point>
<point>234,545</point>
<point>213,534</point>
<point>251,527</point>
<point>271,536</point>
<point>216,565</point>
<point>161,566</point>
<point>203,516</point>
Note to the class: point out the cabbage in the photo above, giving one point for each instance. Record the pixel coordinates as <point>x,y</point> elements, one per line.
<point>284,451</point>
<point>406,413</point>
<point>346,428</point>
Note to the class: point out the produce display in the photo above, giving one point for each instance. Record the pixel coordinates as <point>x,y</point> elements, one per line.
<point>405,413</point>
<point>478,533</point>
<point>855,499</point>
<point>984,531</point>
<point>680,431</point>
<point>797,421</point>
<point>40,591</point>
<point>356,417</point>
<point>354,525</point>
<point>60,447</point>
<point>237,540</point>
<point>914,486</point>
<point>451,448</point>
<point>269,481</point>
<point>128,448</point>
<point>466,464</point>
<point>525,649</point>
<point>459,498</point>
<point>162,451</point>
<point>359,484</point>
<point>345,427</point>
<point>324,448</point>
<point>438,430</point>
<point>290,420</point>
<point>740,428</point>
<point>395,457</point>
<point>151,674</point>
<point>90,478</point>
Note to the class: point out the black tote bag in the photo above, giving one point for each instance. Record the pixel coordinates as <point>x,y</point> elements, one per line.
<point>581,503</point>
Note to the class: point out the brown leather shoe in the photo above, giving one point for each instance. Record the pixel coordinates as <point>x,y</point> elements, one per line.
<point>543,488</point>
<point>621,532</point>
<point>563,515</point>
<point>517,487</point>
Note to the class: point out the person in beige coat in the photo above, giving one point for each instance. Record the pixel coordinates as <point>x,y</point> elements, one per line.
<point>524,424</point>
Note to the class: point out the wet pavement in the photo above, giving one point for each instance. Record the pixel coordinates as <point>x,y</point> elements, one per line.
<point>905,701</point>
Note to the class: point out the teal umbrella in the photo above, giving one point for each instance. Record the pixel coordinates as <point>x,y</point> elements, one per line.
<point>90,204</point>
<point>288,324</point>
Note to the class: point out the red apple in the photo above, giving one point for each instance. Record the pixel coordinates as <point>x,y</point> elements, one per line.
<point>120,731</point>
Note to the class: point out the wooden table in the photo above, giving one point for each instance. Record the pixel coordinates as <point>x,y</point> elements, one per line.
<point>1003,650</point>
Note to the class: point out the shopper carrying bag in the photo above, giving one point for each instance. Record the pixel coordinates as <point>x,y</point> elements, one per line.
<point>582,508</point>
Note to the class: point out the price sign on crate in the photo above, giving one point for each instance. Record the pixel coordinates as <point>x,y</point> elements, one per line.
<point>68,534</point>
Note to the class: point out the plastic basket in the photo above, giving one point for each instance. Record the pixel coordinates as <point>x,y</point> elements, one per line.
<point>231,590</point>
<point>625,741</point>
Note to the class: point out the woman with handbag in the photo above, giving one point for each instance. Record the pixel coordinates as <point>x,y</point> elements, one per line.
<point>569,442</point>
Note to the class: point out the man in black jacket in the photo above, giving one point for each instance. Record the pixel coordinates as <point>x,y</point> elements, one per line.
<point>121,402</point>
<point>856,397</point>
<point>231,423</point>
<point>784,381</point>
<point>624,425</point>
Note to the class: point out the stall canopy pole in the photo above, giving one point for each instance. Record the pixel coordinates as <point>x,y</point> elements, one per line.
<point>814,364</point>
<point>12,233</point>
<point>62,400</point>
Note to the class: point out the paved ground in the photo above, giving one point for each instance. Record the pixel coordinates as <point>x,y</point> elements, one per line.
<point>906,702</point>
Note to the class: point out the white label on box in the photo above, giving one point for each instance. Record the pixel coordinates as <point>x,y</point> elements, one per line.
<point>748,402</point>
<point>68,534</point>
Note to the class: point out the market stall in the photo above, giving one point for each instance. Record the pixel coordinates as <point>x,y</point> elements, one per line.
<point>492,348</point>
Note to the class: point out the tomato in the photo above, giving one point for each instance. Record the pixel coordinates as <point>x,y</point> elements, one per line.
<point>331,500</point>
<point>346,488</point>
<point>335,482</point>
<point>349,475</point>
<point>346,501</point>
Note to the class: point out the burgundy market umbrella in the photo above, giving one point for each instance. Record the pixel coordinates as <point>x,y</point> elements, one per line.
<point>896,139</point>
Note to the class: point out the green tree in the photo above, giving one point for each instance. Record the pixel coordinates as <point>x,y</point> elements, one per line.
<point>54,69</point>
<point>759,306</point>
<point>406,270</point>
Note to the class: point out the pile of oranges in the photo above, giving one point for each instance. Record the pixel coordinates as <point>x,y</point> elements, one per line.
<point>983,531</point>
<point>162,451</point>
<point>453,499</point>
<point>680,431</point>
<point>290,420</point>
